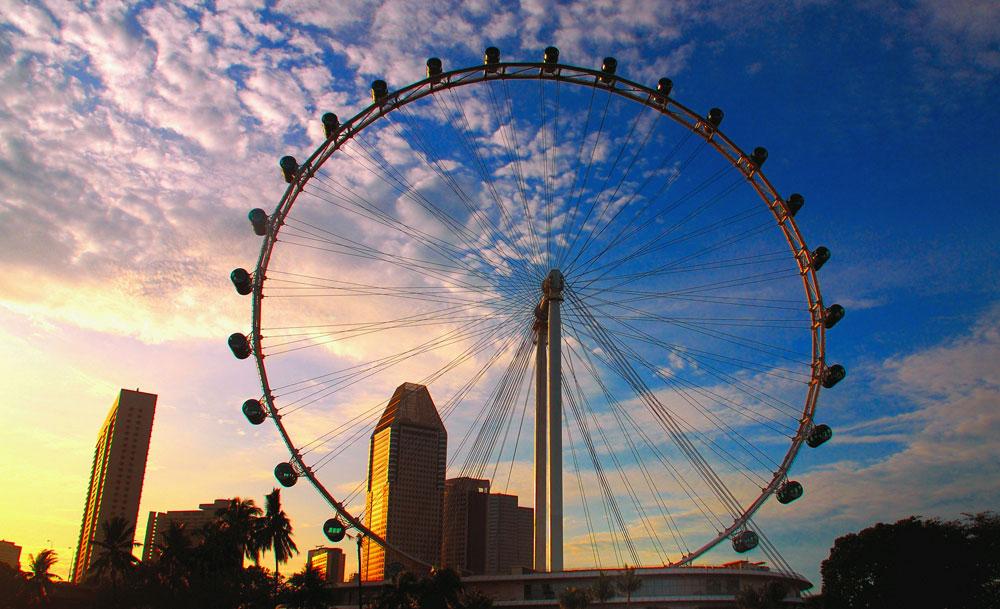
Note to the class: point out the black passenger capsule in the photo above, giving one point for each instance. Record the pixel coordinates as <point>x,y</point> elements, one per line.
<point>608,66</point>
<point>551,55</point>
<point>434,67</point>
<point>239,345</point>
<point>832,315</point>
<point>819,257</point>
<point>258,218</point>
<point>715,117</point>
<point>794,204</point>
<point>758,156</point>
<point>833,375</point>
<point>818,435</point>
<point>254,411</point>
<point>242,280</point>
<point>334,530</point>
<point>745,541</point>
<point>285,474</point>
<point>289,167</point>
<point>331,124</point>
<point>491,57</point>
<point>664,87</point>
<point>789,492</point>
<point>380,91</point>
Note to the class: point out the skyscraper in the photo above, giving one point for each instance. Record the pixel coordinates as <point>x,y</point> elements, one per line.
<point>117,472</point>
<point>485,533</point>
<point>192,520</point>
<point>406,469</point>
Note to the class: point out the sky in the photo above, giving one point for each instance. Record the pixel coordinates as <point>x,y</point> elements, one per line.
<point>135,138</point>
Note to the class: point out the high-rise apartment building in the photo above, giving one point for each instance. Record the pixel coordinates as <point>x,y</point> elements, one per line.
<point>117,472</point>
<point>330,562</point>
<point>10,554</point>
<point>193,522</point>
<point>484,533</point>
<point>406,470</point>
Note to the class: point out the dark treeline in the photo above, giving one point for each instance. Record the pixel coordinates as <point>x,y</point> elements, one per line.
<point>202,568</point>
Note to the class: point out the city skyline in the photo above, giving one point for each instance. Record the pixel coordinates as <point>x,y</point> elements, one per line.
<point>123,280</point>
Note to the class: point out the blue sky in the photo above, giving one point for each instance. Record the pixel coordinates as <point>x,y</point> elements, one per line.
<point>132,143</point>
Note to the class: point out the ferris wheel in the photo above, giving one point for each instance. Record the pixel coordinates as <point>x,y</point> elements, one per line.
<point>442,234</point>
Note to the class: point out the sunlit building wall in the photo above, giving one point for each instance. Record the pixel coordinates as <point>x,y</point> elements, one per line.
<point>193,522</point>
<point>329,562</point>
<point>117,472</point>
<point>406,470</point>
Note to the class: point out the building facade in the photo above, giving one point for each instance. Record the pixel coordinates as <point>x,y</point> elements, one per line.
<point>406,471</point>
<point>330,562</point>
<point>193,522</point>
<point>10,554</point>
<point>484,533</point>
<point>117,472</point>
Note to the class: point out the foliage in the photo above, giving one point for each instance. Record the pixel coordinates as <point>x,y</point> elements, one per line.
<point>574,598</point>
<point>113,561</point>
<point>603,589</point>
<point>769,596</point>
<point>628,582</point>
<point>237,524</point>
<point>916,563</point>
<point>40,579</point>
<point>13,588</point>
<point>307,590</point>
<point>272,532</point>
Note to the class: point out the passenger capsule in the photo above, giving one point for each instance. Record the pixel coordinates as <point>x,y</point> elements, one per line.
<point>819,257</point>
<point>715,117</point>
<point>608,66</point>
<point>334,530</point>
<point>331,124</point>
<point>758,156</point>
<point>258,218</point>
<point>491,58</point>
<point>550,57</point>
<point>832,315</point>
<point>239,345</point>
<point>818,435</point>
<point>664,87</point>
<point>789,492</point>
<point>745,541</point>
<point>254,411</point>
<point>833,375</point>
<point>241,279</point>
<point>434,67</point>
<point>289,167</point>
<point>285,474</point>
<point>380,91</point>
<point>794,204</point>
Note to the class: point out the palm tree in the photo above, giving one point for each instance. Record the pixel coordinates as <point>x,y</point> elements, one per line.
<point>239,526</point>
<point>175,557</point>
<point>115,559</point>
<point>40,578</point>
<point>628,582</point>
<point>440,590</point>
<point>273,532</point>
<point>308,590</point>
<point>604,588</point>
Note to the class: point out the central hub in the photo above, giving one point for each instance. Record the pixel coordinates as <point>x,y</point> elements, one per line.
<point>552,287</point>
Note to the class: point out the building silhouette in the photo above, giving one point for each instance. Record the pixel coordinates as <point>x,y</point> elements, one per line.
<point>117,472</point>
<point>406,471</point>
<point>485,533</point>
<point>330,563</point>
<point>10,554</point>
<point>193,522</point>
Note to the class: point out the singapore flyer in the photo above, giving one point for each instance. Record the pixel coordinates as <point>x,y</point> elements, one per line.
<point>613,309</point>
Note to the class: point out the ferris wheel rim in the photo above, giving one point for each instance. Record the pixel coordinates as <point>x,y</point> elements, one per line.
<point>585,77</point>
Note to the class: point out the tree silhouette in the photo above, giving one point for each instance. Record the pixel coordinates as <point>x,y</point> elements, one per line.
<point>238,526</point>
<point>603,589</point>
<point>114,559</point>
<point>574,598</point>
<point>627,583</point>
<point>769,596</point>
<point>273,532</point>
<point>308,590</point>
<point>41,580</point>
